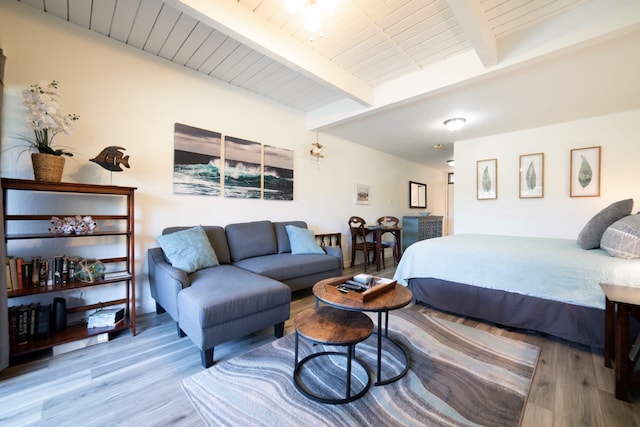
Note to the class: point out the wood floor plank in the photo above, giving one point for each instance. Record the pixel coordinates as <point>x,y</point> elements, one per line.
<point>543,387</point>
<point>577,394</point>
<point>135,381</point>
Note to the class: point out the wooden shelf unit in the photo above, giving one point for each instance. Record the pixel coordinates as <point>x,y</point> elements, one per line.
<point>77,331</point>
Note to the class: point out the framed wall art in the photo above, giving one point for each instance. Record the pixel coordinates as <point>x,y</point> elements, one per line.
<point>417,195</point>
<point>361,194</point>
<point>196,161</point>
<point>487,179</point>
<point>585,172</point>
<point>532,176</point>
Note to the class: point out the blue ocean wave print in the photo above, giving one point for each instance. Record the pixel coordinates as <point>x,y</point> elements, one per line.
<point>241,180</point>
<point>278,183</point>
<point>197,178</point>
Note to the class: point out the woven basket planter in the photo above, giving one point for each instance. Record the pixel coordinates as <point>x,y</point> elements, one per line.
<point>47,167</point>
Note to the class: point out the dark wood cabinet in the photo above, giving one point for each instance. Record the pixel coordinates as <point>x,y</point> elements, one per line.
<point>118,236</point>
<point>416,228</point>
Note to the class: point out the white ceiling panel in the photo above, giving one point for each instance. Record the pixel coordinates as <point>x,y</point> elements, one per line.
<point>123,18</point>
<point>367,47</point>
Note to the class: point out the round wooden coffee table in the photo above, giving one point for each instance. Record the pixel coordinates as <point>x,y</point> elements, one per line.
<point>331,326</point>
<point>396,298</point>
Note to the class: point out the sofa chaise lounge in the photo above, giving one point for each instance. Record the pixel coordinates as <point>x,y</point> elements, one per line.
<point>248,290</point>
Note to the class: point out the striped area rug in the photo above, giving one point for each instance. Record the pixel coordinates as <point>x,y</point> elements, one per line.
<point>459,376</point>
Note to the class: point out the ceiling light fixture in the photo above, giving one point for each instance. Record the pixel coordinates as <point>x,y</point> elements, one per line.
<point>455,124</point>
<point>313,11</point>
<point>438,147</point>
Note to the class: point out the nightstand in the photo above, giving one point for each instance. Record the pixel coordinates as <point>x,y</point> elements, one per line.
<point>621,302</point>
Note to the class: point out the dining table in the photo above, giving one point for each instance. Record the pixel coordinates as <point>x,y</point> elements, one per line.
<point>377,231</point>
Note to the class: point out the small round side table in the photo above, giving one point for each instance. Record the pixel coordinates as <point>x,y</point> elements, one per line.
<point>332,326</point>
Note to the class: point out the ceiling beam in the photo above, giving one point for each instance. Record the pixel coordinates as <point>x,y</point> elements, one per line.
<point>476,27</point>
<point>245,26</point>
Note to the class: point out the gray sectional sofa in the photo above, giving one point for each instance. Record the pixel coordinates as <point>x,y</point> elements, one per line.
<point>248,291</point>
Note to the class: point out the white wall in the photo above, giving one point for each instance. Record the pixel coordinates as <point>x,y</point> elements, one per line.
<point>557,214</point>
<point>132,99</point>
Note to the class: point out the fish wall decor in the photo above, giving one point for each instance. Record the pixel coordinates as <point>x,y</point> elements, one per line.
<point>111,158</point>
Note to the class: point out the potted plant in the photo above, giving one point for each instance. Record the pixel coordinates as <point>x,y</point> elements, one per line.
<point>46,120</point>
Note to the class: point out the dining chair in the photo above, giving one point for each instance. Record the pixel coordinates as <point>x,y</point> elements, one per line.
<point>359,241</point>
<point>389,221</point>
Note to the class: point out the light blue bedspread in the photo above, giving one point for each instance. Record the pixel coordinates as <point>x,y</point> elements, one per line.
<point>556,269</point>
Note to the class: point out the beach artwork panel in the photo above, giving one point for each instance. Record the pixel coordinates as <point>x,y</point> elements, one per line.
<point>278,173</point>
<point>196,161</point>
<point>242,168</point>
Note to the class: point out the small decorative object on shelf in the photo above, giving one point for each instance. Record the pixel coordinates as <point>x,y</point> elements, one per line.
<point>111,158</point>
<point>46,120</point>
<point>73,224</point>
<point>89,270</point>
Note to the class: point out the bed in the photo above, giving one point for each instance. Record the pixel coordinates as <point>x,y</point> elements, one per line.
<point>541,284</point>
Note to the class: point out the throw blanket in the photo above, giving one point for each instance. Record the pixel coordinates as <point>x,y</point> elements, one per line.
<point>556,269</point>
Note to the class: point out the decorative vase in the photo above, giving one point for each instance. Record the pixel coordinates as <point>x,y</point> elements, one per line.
<point>47,167</point>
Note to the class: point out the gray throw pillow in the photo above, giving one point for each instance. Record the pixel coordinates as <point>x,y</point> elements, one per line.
<point>591,234</point>
<point>622,238</point>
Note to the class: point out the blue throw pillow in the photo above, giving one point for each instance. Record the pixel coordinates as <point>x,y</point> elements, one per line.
<point>189,250</point>
<point>302,241</point>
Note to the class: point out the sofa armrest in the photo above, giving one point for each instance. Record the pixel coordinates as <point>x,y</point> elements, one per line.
<point>165,281</point>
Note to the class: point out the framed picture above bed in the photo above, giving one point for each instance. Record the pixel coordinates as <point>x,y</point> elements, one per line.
<point>585,172</point>
<point>532,176</point>
<point>487,179</point>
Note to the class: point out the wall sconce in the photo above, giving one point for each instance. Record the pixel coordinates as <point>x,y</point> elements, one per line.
<point>316,150</point>
<point>455,124</point>
<point>451,163</point>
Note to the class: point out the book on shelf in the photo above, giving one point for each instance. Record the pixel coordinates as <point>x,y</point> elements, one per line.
<point>124,274</point>
<point>105,317</point>
<point>26,323</point>
<point>8,277</point>
<point>13,268</point>
<point>19,262</point>
<point>35,271</point>
<point>41,272</point>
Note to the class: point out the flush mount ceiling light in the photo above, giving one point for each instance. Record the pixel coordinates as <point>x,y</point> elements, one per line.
<point>455,123</point>
<point>438,147</point>
<point>313,11</point>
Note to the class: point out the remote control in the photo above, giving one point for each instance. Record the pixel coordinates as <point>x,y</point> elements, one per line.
<point>355,287</point>
<point>359,285</point>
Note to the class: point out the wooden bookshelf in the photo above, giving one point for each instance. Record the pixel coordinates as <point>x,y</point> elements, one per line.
<point>125,228</point>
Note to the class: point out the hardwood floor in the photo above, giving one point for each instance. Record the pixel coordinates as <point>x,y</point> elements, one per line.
<point>135,381</point>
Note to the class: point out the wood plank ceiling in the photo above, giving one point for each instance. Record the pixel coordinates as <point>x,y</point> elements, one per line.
<point>373,41</point>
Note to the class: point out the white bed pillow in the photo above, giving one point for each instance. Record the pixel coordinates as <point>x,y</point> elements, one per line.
<point>622,238</point>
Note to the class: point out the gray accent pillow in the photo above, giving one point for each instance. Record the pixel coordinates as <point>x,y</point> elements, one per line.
<point>249,239</point>
<point>591,234</point>
<point>622,238</point>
